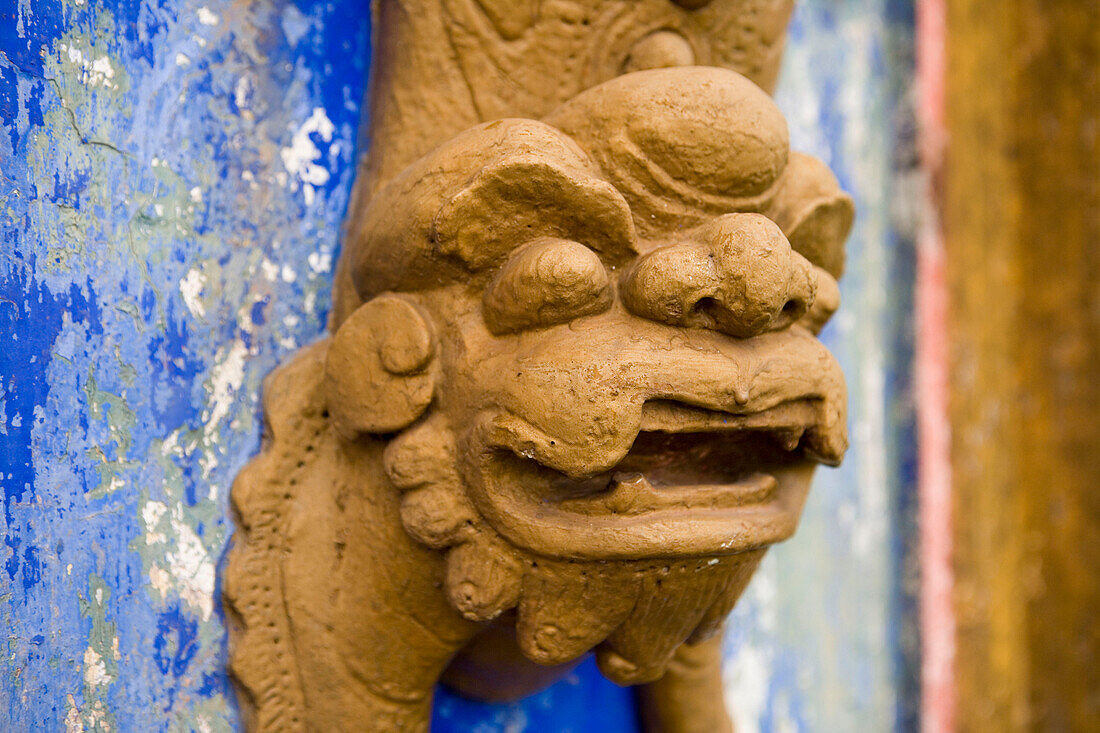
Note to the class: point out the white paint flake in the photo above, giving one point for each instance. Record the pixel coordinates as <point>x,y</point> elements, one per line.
<point>102,65</point>
<point>183,60</point>
<point>242,93</point>
<point>73,722</point>
<point>188,568</point>
<point>207,16</point>
<point>150,515</point>
<point>320,262</point>
<point>192,569</point>
<point>191,288</point>
<point>95,670</point>
<point>225,379</point>
<point>269,269</point>
<point>97,72</point>
<point>301,156</point>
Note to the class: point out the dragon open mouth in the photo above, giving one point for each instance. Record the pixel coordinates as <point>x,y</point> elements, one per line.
<point>687,458</point>
<point>694,481</point>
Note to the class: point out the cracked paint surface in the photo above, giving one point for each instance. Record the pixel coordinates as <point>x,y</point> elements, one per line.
<point>173,177</point>
<point>157,160</point>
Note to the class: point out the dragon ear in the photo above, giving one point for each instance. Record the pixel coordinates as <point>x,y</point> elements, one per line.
<point>378,376</point>
<point>527,195</point>
<point>813,212</point>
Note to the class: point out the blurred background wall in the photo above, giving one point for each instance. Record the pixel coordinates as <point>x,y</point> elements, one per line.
<point>1009,348</point>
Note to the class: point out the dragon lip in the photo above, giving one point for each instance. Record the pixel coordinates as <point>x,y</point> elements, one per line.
<point>631,494</point>
<point>694,482</point>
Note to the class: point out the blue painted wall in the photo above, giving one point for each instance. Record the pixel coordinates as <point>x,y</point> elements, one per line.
<point>173,176</point>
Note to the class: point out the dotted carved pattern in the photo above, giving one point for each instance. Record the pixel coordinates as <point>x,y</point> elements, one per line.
<point>262,657</point>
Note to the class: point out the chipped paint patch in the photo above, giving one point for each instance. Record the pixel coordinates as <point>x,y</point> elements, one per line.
<point>191,288</point>
<point>100,665</point>
<point>179,563</point>
<point>207,17</point>
<point>301,156</point>
<point>93,71</point>
<point>226,378</point>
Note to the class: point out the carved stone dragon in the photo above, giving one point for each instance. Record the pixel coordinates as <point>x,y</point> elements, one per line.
<point>573,388</point>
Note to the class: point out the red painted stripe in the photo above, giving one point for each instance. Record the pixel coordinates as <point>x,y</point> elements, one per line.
<point>937,613</point>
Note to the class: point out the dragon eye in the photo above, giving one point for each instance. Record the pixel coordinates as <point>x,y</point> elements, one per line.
<point>544,282</point>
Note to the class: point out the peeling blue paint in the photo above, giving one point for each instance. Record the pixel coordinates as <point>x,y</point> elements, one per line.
<point>173,178</point>
<point>142,144</point>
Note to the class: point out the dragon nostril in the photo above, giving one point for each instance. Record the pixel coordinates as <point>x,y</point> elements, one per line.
<point>708,312</point>
<point>792,307</point>
<point>704,305</point>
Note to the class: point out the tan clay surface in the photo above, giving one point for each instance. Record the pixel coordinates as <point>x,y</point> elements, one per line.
<point>573,395</point>
<point>442,66</point>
